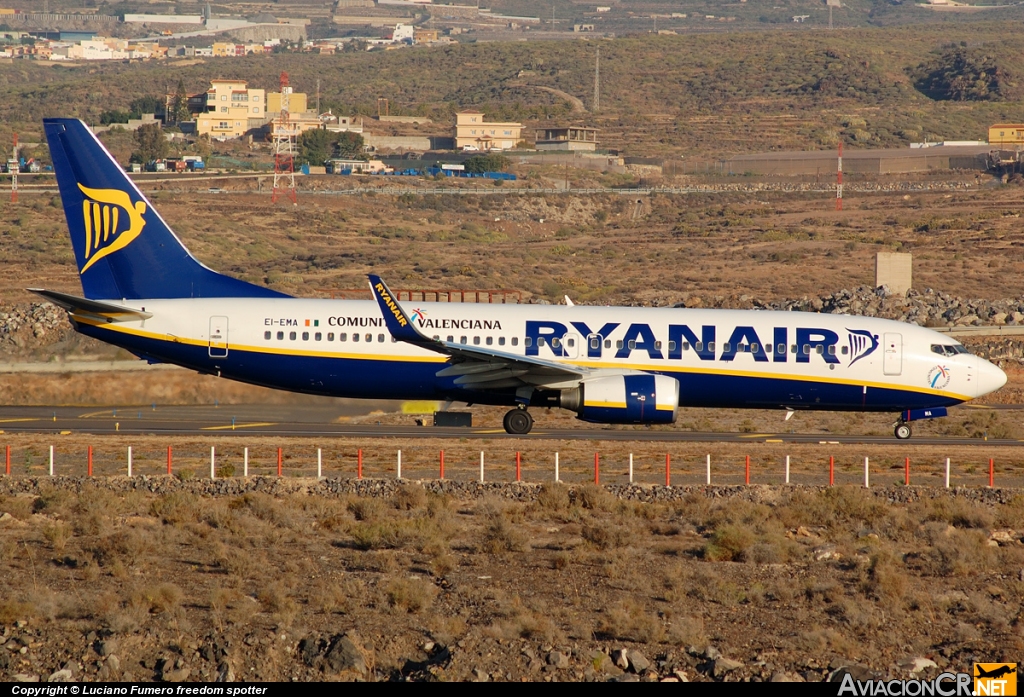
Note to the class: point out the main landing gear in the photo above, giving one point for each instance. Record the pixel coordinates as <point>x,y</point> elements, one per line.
<point>518,421</point>
<point>902,430</point>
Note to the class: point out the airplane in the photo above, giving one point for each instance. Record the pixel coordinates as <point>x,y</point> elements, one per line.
<point>143,291</point>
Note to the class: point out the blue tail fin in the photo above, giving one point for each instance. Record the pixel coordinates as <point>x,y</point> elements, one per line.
<point>123,247</point>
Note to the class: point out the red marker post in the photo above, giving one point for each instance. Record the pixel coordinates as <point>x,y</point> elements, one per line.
<point>442,464</point>
<point>746,471</point>
<point>279,458</point>
<point>359,464</point>
<point>906,472</point>
<point>518,467</point>
<point>831,471</point>
<point>90,461</point>
<point>168,461</point>
<point>597,469</point>
<point>991,473</point>
<point>668,469</point>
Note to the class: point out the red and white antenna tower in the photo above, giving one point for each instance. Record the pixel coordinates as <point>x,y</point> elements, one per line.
<point>284,149</point>
<point>839,180</point>
<point>12,167</point>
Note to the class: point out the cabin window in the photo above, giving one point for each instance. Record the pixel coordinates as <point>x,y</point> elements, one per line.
<point>631,344</point>
<point>846,350</point>
<point>754,348</point>
<point>555,343</point>
<point>711,346</point>
<point>490,341</point>
<point>686,345</point>
<point>570,342</point>
<point>657,345</point>
<point>330,336</point>
<point>343,337</point>
<point>528,342</point>
<point>305,336</point>
<point>380,338</point>
<point>476,341</point>
<point>794,349</point>
<point>618,344</point>
<point>697,346</point>
<point>780,349</point>
<point>280,336</point>
<point>819,349</point>
<point>807,349</point>
<point>726,346</point>
<point>451,339</point>
<point>540,341</point>
<point>607,343</point>
<point>291,336</point>
<point>318,336</point>
<point>595,343</point>
<point>369,338</point>
<point>515,341</point>
<point>355,337</point>
<point>463,340</point>
<point>501,341</point>
<point>671,346</point>
<point>832,350</point>
<point>266,335</point>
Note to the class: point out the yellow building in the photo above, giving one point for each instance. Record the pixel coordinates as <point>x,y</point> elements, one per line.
<point>472,132</point>
<point>1006,134</point>
<point>232,109</point>
<point>300,118</point>
<point>296,102</point>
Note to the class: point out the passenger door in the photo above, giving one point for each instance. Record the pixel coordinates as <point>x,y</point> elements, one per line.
<point>571,345</point>
<point>218,337</point>
<point>892,357</point>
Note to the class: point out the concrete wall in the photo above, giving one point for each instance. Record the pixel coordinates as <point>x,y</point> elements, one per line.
<point>266,32</point>
<point>894,269</point>
<point>417,143</point>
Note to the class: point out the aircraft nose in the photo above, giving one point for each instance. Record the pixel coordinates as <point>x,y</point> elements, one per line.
<point>990,377</point>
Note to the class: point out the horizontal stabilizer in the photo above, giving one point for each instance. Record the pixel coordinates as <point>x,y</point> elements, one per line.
<point>81,306</point>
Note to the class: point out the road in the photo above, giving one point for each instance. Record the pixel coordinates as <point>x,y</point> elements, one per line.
<point>317,421</point>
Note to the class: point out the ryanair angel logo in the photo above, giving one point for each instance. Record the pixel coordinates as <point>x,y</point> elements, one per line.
<point>862,344</point>
<point>112,221</point>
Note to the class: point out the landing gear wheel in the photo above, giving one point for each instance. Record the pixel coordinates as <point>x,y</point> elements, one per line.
<point>518,422</point>
<point>902,431</point>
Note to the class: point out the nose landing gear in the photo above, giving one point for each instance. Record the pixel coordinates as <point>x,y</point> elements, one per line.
<point>518,422</point>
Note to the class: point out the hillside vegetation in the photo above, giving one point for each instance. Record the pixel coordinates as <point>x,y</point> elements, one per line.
<point>707,94</point>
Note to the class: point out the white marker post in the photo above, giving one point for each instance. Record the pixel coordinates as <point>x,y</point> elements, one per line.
<point>129,461</point>
<point>867,481</point>
<point>631,468</point>
<point>481,466</point>
<point>947,472</point>
<point>213,462</point>
<point>319,465</point>
<point>709,469</point>
<point>399,475</point>
<point>51,460</point>
<point>556,467</point>
<point>787,469</point>
<point>245,462</point>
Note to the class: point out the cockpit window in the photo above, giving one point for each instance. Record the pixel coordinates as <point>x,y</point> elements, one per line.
<point>949,350</point>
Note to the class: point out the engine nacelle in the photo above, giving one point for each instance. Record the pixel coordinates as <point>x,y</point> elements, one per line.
<point>625,399</point>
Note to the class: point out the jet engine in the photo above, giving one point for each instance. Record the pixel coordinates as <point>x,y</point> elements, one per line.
<point>624,399</point>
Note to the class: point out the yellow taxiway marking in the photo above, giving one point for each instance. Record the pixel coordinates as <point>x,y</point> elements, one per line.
<point>756,435</point>
<point>491,430</point>
<point>65,433</point>
<point>977,406</point>
<point>231,427</point>
<point>9,421</point>
<point>773,440</point>
<point>96,413</point>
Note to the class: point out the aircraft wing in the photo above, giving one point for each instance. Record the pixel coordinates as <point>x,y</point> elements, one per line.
<point>474,367</point>
<point>108,312</point>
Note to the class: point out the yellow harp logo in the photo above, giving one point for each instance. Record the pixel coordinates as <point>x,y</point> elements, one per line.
<point>105,233</point>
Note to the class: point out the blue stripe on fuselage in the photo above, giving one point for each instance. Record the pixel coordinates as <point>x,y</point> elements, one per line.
<point>382,378</point>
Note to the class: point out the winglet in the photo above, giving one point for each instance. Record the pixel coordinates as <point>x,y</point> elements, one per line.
<point>398,323</point>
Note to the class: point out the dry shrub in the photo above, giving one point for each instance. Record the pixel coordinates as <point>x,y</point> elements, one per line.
<point>729,543</point>
<point>236,562</point>
<point>960,553</point>
<point>366,509</point>
<point>606,536</point>
<point>264,507</point>
<point>519,622</point>
<point>276,600</point>
<point>177,508</point>
<point>163,597</point>
<point>21,507</point>
<point>1011,514</point>
<point>125,547</point>
<point>553,497</point>
<point>631,620</point>
<point>409,497</point>
<point>412,594</point>
<point>12,610</point>
<point>687,631</point>
<point>960,513</point>
<point>501,536</point>
<point>382,534</point>
<point>340,597</point>
<point>887,578</point>
<point>57,534</point>
<point>595,498</point>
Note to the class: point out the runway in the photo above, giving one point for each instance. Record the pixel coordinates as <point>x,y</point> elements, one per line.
<point>334,421</point>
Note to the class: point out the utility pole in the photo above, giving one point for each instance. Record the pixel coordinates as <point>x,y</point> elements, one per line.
<point>12,167</point>
<point>284,149</point>
<point>597,80</point>
<point>318,97</point>
<point>839,179</point>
